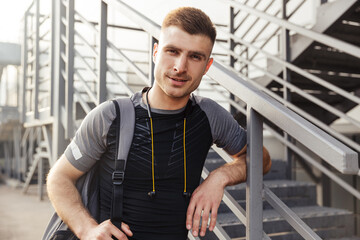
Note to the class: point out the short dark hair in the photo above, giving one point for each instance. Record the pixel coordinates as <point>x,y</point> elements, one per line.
<point>192,21</point>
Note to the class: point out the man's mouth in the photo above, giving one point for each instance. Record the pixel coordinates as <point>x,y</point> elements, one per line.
<point>177,79</point>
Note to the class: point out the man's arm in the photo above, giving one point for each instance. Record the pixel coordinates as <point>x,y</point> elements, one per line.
<point>68,204</point>
<point>207,197</point>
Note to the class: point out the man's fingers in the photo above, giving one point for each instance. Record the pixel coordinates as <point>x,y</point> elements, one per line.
<point>205,218</point>
<point>196,221</point>
<point>213,219</point>
<point>118,234</point>
<point>189,216</point>
<point>126,229</point>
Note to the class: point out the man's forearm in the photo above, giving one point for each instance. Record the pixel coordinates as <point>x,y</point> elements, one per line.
<point>68,204</point>
<point>231,173</point>
<point>235,172</point>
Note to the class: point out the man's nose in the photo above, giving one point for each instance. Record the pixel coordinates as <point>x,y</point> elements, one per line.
<point>181,64</point>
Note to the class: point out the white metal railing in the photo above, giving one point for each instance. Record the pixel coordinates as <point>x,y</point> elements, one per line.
<point>36,101</point>
<point>320,143</point>
<point>327,40</point>
<point>282,63</point>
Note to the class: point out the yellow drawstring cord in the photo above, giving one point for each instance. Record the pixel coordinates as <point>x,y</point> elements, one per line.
<point>152,154</point>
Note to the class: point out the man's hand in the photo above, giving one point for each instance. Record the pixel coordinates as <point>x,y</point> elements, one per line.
<point>68,204</point>
<point>207,197</point>
<point>204,201</point>
<point>106,230</point>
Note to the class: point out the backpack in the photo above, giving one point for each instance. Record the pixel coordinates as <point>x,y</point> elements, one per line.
<point>88,184</point>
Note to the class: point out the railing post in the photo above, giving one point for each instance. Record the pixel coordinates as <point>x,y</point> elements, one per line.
<point>286,55</point>
<point>151,62</point>
<point>232,48</point>
<point>52,56</point>
<point>35,86</point>
<point>58,130</point>
<point>6,150</point>
<point>254,182</point>
<point>24,58</point>
<point>102,63</point>
<point>30,152</point>
<point>232,31</point>
<point>69,91</point>
<point>41,178</point>
<point>16,142</point>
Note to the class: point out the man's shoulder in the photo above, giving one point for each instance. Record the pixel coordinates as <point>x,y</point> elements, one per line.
<point>136,97</point>
<point>205,103</point>
<point>201,100</point>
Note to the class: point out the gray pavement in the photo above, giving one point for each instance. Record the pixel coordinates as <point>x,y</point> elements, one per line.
<point>22,216</point>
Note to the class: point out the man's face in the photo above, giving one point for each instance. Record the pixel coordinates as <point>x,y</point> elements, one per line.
<point>181,60</point>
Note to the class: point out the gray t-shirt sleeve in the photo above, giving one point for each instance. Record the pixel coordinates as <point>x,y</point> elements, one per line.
<point>226,132</point>
<point>89,142</point>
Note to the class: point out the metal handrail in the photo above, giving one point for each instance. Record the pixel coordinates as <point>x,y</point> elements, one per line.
<point>91,70</point>
<point>86,87</point>
<point>256,20</point>
<point>82,102</point>
<point>296,69</point>
<point>303,229</point>
<point>145,23</point>
<point>260,31</point>
<point>313,78</point>
<point>334,152</point>
<point>304,114</point>
<point>300,91</point>
<point>92,48</point>
<point>274,32</point>
<point>342,183</point>
<point>120,80</point>
<point>127,61</point>
<point>86,22</point>
<point>234,206</point>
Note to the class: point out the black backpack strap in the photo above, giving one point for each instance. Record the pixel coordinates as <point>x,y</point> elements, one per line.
<point>125,115</point>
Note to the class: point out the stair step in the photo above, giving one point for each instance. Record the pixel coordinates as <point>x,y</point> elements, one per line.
<point>328,222</point>
<point>344,31</point>
<point>292,193</point>
<point>322,58</point>
<point>342,80</point>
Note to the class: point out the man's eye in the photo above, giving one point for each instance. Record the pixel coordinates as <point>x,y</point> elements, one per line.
<point>196,57</point>
<point>172,51</point>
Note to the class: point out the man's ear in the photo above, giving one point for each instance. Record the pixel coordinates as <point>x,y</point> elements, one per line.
<point>155,52</point>
<point>208,65</point>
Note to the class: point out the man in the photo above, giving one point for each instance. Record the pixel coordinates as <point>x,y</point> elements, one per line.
<point>173,133</point>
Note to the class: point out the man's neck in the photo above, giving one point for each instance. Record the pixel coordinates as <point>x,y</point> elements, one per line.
<point>159,100</point>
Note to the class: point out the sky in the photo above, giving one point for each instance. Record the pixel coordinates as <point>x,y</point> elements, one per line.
<point>11,12</point>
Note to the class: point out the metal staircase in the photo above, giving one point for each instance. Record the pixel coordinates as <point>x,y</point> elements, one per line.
<point>328,223</point>
<point>340,20</point>
<point>313,71</point>
<point>72,61</point>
